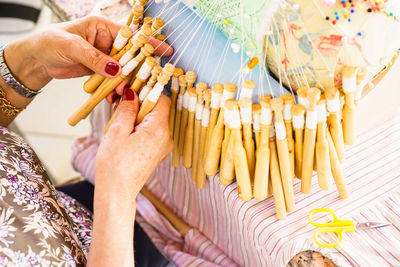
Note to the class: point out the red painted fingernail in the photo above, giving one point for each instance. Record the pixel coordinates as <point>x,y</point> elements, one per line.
<point>128,94</point>
<point>112,68</point>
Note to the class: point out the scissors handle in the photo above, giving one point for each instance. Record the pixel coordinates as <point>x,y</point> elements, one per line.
<point>336,222</point>
<point>337,230</point>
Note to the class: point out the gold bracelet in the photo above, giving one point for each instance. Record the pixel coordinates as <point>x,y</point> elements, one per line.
<point>6,107</point>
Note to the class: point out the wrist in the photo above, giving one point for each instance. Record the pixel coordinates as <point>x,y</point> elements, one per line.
<point>19,57</point>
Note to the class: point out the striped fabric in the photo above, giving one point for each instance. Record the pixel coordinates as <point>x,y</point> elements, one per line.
<point>227,231</point>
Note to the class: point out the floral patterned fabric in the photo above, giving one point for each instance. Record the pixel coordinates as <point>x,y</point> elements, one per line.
<point>38,225</point>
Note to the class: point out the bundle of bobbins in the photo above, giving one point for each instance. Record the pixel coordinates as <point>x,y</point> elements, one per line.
<point>263,146</point>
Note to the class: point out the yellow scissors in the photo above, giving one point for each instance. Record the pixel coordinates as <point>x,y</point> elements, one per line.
<point>338,227</point>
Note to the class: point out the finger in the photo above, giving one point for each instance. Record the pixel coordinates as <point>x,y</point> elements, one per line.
<point>161,48</point>
<point>111,97</point>
<point>126,114</point>
<point>84,53</point>
<point>120,88</point>
<point>158,115</point>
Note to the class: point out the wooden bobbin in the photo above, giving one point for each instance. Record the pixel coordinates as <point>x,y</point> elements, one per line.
<point>147,20</point>
<point>214,150</point>
<point>313,96</point>
<point>189,129</point>
<point>239,156</point>
<point>302,96</point>
<point>174,95</point>
<point>201,175</point>
<point>108,86</point>
<point>336,168</point>
<point>288,100</point>
<point>256,110</point>
<point>361,82</point>
<point>178,117</point>
<point>200,89</point>
<point>298,112</point>
<point>156,25</point>
<point>138,42</point>
<point>262,168</point>
<point>334,120</point>
<point>248,142</point>
<point>276,181</point>
<point>247,89</point>
<point>283,153</point>
<point>227,171</point>
<point>96,79</point>
<point>120,41</point>
<point>322,148</point>
<point>155,72</point>
<point>191,77</point>
<point>144,73</point>
<point>349,86</point>
<point>152,98</point>
<point>134,17</point>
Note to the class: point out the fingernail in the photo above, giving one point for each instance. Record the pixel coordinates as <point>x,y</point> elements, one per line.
<point>128,94</point>
<point>112,68</point>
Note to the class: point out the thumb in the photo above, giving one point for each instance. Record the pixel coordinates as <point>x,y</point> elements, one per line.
<point>94,59</point>
<point>126,113</point>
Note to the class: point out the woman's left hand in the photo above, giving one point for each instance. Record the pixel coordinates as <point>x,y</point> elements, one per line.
<point>67,50</point>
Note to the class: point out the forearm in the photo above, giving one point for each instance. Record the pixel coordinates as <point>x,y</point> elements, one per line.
<point>113,228</point>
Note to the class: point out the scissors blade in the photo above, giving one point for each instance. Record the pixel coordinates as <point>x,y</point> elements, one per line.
<point>371,225</point>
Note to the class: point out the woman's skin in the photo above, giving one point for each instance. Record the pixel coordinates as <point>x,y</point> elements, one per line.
<point>128,154</point>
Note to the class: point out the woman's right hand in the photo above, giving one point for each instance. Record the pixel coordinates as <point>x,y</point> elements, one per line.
<point>128,155</point>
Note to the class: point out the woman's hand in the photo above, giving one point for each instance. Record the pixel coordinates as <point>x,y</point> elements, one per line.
<point>67,50</point>
<point>126,158</point>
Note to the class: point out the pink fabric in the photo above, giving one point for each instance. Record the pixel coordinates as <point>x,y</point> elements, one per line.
<point>248,234</point>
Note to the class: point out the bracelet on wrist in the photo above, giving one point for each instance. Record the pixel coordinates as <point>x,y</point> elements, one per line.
<point>11,81</point>
<point>6,107</point>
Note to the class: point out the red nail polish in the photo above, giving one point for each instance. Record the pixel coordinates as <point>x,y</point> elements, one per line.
<point>112,68</point>
<point>128,94</point>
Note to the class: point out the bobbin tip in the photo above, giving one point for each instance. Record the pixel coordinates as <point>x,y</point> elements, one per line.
<point>163,79</point>
<point>169,69</point>
<point>245,102</point>
<point>140,40</point>
<point>161,37</point>
<point>249,84</point>
<point>298,110</point>
<point>313,95</point>
<point>302,91</point>
<point>277,104</point>
<point>178,72</point>
<point>147,49</point>
<point>288,98</point>
<point>191,77</point>
<point>256,108</point>
<point>231,104</point>
<point>331,93</point>
<point>137,10</point>
<point>151,61</point>
<point>230,87</point>
<point>217,88</point>
<point>265,101</point>
<point>192,91</point>
<point>182,80</point>
<point>200,88</point>
<point>158,23</point>
<point>146,29</point>
<point>147,20</point>
<point>349,71</point>
<point>207,95</point>
<point>156,70</point>
<point>126,32</point>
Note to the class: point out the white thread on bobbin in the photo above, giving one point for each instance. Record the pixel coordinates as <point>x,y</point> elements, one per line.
<point>311,120</point>
<point>256,121</point>
<point>280,130</point>
<point>225,96</point>
<point>179,102</point>
<point>321,112</point>
<point>215,100</point>
<point>125,58</point>
<point>266,116</point>
<point>333,105</point>
<point>298,122</point>
<point>144,92</point>
<point>199,111</point>
<point>192,103</point>
<point>174,84</point>
<point>234,119</point>
<point>205,120</point>
<point>349,84</point>
<point>129,67</point>
<point>186,100</point>
<point>360,88</point>
<point>245,114</point>
<point>246,93</point>
<point>155,93</point>
<point>287,112</point>
<point>304,101</point>
<point>120,41</point>
<point>133,26</point>
<point>145,71</point>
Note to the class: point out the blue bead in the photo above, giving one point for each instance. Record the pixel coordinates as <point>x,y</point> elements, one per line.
<point>352,11</point>
<point>337,17</point>
<point>359,34</point>
<point>349,20</point>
